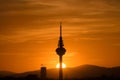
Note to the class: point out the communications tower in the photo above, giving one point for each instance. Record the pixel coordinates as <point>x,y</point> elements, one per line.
<point>60,52</point>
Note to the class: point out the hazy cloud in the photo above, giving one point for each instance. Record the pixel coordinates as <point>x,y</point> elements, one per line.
<point>18,15</point>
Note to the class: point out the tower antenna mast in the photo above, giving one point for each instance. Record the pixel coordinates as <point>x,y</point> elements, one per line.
<point>61,29</point>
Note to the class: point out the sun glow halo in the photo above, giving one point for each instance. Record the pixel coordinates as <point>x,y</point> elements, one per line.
<point>63,65</point>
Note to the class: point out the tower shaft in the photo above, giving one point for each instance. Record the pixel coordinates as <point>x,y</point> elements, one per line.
<point>60,69</point>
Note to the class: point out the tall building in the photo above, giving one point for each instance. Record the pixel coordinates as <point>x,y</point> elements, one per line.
<point>43,73</point>
<point>60,51</point>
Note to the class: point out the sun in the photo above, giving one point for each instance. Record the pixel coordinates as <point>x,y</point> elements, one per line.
<point>63,65</point>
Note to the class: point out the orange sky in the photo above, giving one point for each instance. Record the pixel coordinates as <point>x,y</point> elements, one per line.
<point>29,33</point>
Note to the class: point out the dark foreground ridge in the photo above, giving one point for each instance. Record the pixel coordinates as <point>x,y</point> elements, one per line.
<point>84,72</point>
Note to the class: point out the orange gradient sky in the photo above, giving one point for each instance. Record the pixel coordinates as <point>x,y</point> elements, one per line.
<point>29,32</point>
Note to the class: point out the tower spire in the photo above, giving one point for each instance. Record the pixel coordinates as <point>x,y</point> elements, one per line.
<point>60,44</point>
<point>61,29</point>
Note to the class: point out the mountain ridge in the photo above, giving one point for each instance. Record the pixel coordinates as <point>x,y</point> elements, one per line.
<point>75,72</point>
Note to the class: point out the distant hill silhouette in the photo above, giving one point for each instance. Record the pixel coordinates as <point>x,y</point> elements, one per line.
<point>6,73</point>
<point>82,71</point>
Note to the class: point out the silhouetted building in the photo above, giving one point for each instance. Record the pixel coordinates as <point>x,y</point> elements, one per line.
<point>60,51</point>
<point>43,73</point>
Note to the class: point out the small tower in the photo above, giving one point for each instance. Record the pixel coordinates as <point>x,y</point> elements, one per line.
<point>60,52</point>
<point>43,73</point>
